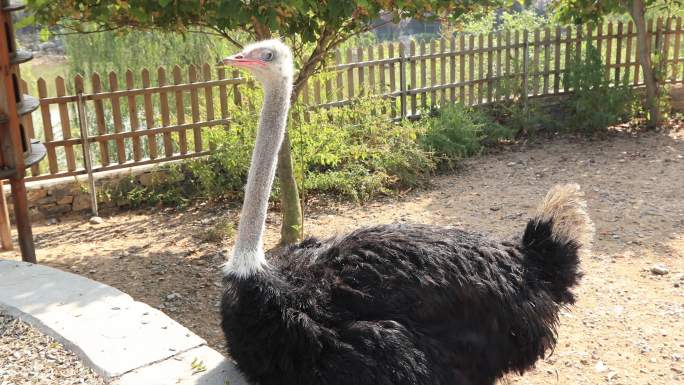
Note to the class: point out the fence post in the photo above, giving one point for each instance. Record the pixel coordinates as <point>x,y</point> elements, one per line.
<point>83,125</point>
<point>662,63</point>
<point>402,79</point>
<point>526,50</point>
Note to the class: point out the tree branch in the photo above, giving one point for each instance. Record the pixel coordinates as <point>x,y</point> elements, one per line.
<point>327,41</point>
<point>310,66</point>
<point>77,32</point>
<point>224,34</point>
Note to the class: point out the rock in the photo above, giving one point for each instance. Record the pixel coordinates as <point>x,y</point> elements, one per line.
<point>659,269</point>
<point>95,220</point>
<point>52,221</point>
<point>80,202</point>
<point>147,179</point>
<point>46,46</point>
<point>600,367</point>
<point>34,195</point>
<point>46,201</point>
<point>65,200</point>
<point>59,192</point>
<point>173,296</point>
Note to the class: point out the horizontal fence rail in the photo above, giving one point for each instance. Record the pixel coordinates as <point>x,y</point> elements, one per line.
<point>158,116</point>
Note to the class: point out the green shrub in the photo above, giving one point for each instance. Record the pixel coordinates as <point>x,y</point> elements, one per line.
<point>356,152</point>
<point>527,19</point>
<point>521,117</point>
<point>168,187</point>
<point>458,132</point>
<point>353,152</point>
<point>595,104</point>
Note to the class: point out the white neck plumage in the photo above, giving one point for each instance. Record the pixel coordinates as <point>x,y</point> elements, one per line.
<point>247,257</point>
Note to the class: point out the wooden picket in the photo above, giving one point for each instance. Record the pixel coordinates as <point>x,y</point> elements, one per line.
<point>149,115</point>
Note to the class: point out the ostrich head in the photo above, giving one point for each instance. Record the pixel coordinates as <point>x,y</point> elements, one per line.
<point>270,61</point>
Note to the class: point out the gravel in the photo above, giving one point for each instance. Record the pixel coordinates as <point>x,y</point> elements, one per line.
<point>30,357</point>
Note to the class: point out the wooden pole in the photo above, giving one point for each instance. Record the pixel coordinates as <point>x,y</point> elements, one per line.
<point>25,234</point>
<point>525,85</point>
<point>5,226</point>
<point>12,155</point>
<point>82,122</point>
<point>402,79</point>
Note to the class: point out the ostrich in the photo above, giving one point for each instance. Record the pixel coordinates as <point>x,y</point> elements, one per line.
<point>397,304</point>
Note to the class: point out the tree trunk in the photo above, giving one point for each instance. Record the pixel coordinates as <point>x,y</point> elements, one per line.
<point>290,229</point>
<point>637,11</point>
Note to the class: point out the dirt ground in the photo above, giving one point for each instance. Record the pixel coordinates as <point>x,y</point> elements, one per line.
<point>627,327</point>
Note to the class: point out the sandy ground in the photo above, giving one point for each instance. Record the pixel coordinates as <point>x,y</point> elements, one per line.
<point>30,357</point>
<point>627,327</point>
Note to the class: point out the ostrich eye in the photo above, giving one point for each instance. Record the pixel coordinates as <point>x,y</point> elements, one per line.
<point>268,56</point>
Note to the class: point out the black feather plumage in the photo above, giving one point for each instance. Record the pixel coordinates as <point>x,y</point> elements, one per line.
<point>400,305</point>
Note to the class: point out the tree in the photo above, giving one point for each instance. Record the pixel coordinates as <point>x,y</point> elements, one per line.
<point>314,29</point>
<point>580,11</point>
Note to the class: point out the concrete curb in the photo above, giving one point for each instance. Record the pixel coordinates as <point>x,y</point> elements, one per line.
<point>125,341</point>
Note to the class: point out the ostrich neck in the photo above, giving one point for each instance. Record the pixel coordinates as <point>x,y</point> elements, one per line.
<point>248,253</point>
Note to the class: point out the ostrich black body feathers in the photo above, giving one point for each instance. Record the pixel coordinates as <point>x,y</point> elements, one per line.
<point>401,305</point>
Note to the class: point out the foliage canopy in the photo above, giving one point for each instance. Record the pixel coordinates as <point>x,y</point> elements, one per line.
<point>308,19</point>
<point>582,11</point>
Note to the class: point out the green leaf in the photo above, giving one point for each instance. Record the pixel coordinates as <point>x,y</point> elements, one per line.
<point>197,366</point>
<point>25,21</point>
<point>164,3</point>
<point>44,34</point>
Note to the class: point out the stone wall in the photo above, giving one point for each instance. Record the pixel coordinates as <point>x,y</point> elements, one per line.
<point>54,198</point>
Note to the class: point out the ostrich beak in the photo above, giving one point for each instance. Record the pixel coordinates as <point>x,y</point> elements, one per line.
<point>241,60</point>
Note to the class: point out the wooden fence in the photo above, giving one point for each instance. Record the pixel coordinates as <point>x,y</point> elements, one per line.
<point>142,123</point>
<point>146,121</point>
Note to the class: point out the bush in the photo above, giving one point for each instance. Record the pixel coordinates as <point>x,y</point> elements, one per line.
<point>167,188</point>
<point>526,19</point>
<point>357,152</point>
<point>354,152</point>
<point>522,117</point>
<point>458,132</point>
<point>595,103</point>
